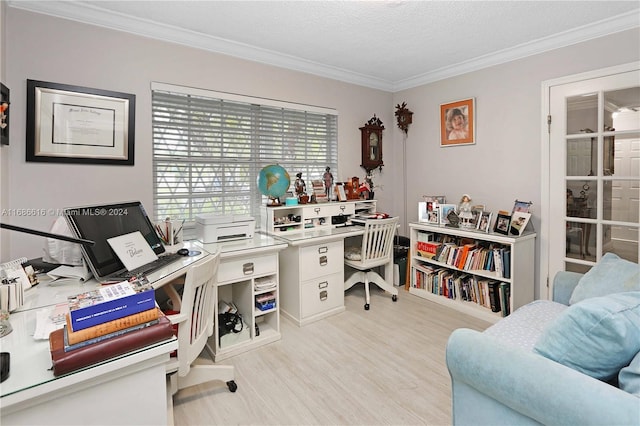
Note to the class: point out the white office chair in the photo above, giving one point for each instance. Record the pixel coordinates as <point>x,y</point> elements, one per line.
<point>376,250</point>
<point>195,325</point>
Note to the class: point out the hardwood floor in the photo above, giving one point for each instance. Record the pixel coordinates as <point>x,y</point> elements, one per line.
<point>382,366</point>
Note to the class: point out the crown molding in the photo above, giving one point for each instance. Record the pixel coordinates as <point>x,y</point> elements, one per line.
<point>89,14</point>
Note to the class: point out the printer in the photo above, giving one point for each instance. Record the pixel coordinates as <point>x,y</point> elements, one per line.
<point>212,228</point>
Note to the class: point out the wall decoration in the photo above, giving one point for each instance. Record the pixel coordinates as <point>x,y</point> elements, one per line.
<point>457,123</point>
<point>404,117</point>
<point>73,124</point>
<point>4,114</point>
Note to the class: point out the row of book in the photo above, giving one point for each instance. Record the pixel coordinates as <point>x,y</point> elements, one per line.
<point>485,292</point>
<point>468,256</point>
<point>108,322</point>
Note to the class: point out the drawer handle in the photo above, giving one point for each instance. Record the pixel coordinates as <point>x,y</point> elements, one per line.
<point>323,295</point>
<point>247,268</point>
<point>317,210</point>
<point>323,250</point>
<point>323,284</point>
<point>343,207</point>
<point>323,261</point>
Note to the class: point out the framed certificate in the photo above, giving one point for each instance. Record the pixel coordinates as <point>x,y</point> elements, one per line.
<point>73,124</point>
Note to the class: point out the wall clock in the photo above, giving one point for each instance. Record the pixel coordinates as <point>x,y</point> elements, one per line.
<point>372,144</point>
<point>404,117</point>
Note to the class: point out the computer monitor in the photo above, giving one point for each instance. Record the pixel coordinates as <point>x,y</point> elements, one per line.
<point>100,222</point>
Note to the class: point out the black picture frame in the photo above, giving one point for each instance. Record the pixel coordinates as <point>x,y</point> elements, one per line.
<point>502,224</point>
<point>82,125</point>
<point>4,115</point>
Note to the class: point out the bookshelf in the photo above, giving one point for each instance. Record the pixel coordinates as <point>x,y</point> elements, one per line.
<point>518,276</point>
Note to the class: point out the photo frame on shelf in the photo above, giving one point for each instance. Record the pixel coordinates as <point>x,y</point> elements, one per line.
<point>433,216</point>
<point>340,192</point>
<point>444,212</point>
<point>438,199</point>
<point>91,126</point>
<point>423,213</point>
<point>457,123</point>
<point>502,224</point>
<point>5,102</point>
<point>484,222</point>
<point>476,213</point>
<point>521,206</point>
<point>519,221</point>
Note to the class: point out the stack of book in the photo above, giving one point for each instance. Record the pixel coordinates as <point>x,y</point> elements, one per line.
<point>107,322</point>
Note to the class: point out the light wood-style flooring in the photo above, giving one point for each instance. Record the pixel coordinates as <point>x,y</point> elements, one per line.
<point>382,366</point>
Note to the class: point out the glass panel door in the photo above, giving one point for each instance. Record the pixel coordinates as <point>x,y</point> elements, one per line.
<point>594,171</point>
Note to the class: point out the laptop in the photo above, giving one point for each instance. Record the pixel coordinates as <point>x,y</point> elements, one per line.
<point>101,222</point>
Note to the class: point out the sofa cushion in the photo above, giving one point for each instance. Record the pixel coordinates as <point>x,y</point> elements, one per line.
<point>611,274</point>
<point>523,327</point>
<point>629,377</point>
<point>598,336</point>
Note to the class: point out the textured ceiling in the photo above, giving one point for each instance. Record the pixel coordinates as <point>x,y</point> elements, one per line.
<point>390,45</point>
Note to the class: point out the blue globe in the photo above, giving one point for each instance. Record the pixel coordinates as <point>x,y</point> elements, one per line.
<point>273,181</point>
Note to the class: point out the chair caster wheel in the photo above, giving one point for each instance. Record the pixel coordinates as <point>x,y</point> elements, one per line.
<point>366,306</point>
<point>232,386</point>
<point>394,297</point>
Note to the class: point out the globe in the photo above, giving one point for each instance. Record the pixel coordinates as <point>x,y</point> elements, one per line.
<point>273,181</point>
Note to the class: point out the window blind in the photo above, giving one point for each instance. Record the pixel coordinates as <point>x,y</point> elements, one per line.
<point>209,147</point>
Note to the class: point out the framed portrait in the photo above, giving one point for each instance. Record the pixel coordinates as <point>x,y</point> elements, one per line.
<point>519,221</point>
<point>4,114</point>
<point>457,123</point>
<point>73,124</point>
<point>340,192</point>
<point>502,224</point>
<point>484,221</point>
<point>445,209</point>
<point>521,206</point>
<point>433,216</point>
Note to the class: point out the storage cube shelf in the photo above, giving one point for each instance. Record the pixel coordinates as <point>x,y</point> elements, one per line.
<point>461,258</point>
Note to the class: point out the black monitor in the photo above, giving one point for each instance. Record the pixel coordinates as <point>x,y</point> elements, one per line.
<point>100,222</point>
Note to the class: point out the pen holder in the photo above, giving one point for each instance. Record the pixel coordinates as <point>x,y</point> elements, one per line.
<point>170,232</point>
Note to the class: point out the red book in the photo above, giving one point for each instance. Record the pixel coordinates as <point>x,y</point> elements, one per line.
<point>66,362</point>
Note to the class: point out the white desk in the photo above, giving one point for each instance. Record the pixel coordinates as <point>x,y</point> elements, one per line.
<point>129,389</point>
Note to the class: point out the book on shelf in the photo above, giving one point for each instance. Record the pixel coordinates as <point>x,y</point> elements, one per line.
<point>505,297</point>
<point>67,361</point>
<point>110,327</point>
<point>110,302</point>
<point>494,296</point>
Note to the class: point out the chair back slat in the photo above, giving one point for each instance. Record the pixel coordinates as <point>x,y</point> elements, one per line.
<point>197,303</point>
<point>377,240</point>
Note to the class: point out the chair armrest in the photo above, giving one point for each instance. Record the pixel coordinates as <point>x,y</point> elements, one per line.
<point>563,284</point>
<point>493,383</point>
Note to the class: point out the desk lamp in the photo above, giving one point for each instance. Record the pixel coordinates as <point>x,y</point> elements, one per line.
<point>5,360</point>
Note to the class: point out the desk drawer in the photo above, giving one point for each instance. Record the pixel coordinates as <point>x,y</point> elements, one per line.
<point>321,259</point>
<point>321,294</point>
<point>332,209</point>
<point>245,268</point>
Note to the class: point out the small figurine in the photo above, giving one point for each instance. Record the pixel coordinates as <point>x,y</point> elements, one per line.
<point>301,189</point>
<point>328,182</point>
<point>464,209</point>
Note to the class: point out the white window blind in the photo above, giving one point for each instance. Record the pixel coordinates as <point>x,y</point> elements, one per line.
<point>208,148</point>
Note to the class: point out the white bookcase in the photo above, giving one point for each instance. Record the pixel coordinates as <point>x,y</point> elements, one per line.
<point>279,219</point>
<point>520,274</point>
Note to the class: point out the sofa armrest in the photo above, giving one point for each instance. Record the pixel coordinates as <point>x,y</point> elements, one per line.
<point>563,284</point>
<point>497,384</point>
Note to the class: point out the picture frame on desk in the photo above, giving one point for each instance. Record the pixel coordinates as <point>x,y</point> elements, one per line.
<point>484,222</point>
<point>74,124</point>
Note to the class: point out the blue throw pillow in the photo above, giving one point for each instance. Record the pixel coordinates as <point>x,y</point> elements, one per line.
<point>629,377</point>
<point>611,274</point>
<point>598,336</point>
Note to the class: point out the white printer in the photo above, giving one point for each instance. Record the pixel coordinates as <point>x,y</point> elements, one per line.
<point>212,228</point>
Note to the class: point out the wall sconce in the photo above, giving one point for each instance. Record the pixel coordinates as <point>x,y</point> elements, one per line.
<point>403,115</point>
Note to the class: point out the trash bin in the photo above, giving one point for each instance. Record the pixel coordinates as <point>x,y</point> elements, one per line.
<point>400,253</point>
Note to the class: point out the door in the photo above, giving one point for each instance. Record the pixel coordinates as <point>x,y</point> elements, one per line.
<point>594,168</point>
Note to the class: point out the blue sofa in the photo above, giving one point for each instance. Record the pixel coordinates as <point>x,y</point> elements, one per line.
<point>500,378</point>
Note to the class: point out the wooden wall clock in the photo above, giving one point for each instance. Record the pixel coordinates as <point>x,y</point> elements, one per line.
<point>372,144</point>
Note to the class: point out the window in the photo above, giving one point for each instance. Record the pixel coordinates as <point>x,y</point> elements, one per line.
<point>208,148</point>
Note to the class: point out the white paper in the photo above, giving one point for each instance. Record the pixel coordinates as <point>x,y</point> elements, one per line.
<point>74,272</point>
<point>132,250</point>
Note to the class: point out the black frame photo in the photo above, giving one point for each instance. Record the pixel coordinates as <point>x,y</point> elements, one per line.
<point>502,224</point>
<point>5,102</point>
<point>74,124</point>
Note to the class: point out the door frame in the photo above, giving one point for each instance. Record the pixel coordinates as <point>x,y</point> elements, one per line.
<point>545,201</point>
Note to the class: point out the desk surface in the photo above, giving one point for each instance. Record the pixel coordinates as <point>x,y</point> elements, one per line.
<point>319,235</point>
<point>30,358</point>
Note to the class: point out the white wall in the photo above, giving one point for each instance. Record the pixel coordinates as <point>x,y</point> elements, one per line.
<point>503,165</point>
<point>505,162</point>
<point>44,48</point>
<point>4,150</point>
